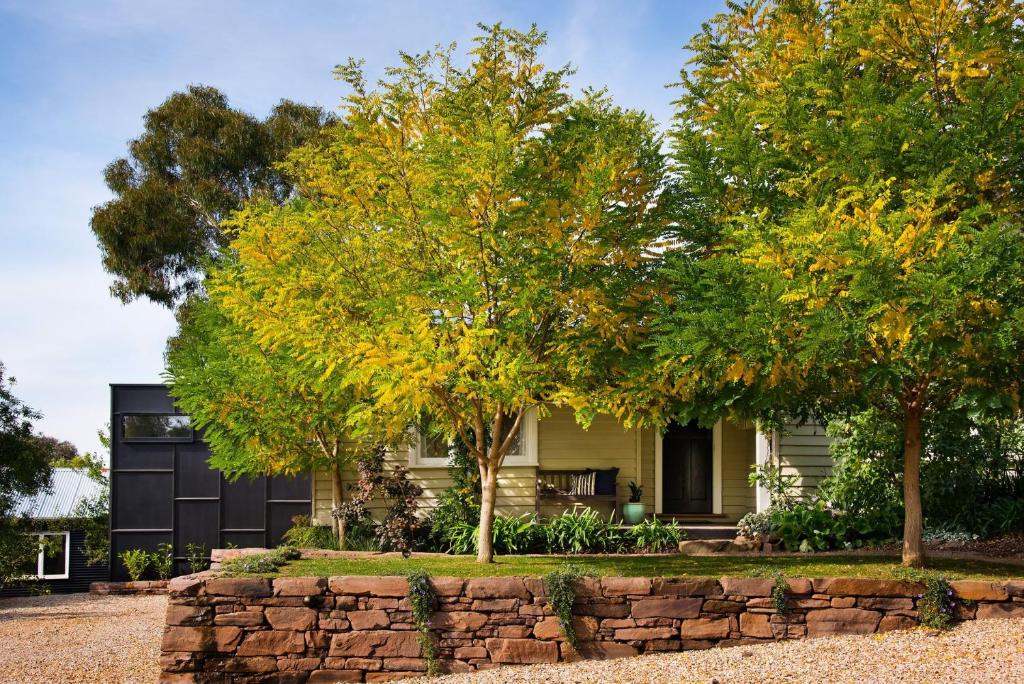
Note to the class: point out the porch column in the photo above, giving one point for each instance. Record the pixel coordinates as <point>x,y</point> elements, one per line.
<point>762,455</point>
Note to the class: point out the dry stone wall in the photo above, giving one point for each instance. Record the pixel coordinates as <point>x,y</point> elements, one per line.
<point>354,629</point>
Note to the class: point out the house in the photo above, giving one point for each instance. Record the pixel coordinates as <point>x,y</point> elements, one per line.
<point>697,475</point>
<point>61,565</point>
<point>163,490</point>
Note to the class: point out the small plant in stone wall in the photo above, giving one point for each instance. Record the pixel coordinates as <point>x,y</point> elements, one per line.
<point>560,585</point>
<point>423,601</point>
<point>936,605</point>
<point>162,561</point>
<point>135,562</point>
<point>780,594</point>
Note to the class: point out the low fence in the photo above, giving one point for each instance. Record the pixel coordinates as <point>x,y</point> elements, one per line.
<point>353,629</point>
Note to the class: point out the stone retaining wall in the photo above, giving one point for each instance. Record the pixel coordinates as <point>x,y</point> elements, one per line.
<point>137,587</point>
<point>352,629</point>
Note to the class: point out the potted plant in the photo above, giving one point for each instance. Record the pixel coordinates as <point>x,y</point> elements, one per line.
<point>634,511</point>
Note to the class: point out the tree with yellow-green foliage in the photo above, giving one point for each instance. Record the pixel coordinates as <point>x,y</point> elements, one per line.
<point>850,215</point>
<point>262,412</point>
<point>470,243</point>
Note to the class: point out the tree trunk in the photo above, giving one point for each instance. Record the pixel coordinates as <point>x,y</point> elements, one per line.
<point>488,494</point>
<point>337,500</point>
<point>913,546</point>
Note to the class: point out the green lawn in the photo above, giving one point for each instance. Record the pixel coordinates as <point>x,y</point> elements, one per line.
<point>648,566</point>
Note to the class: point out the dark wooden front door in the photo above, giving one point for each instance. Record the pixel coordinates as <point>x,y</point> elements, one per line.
<point>686,462</point>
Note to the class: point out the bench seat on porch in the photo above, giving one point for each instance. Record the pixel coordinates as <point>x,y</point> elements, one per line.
<point>556,487</point>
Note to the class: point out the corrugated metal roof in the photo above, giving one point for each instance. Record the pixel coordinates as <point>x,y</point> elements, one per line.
<point>67,487</point>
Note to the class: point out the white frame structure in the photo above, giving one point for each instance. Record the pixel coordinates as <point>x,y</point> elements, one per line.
<point>41,558</point>
<point>528,457</point>
<point>716,472</point>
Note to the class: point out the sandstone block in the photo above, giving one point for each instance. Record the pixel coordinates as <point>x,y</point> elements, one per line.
<point>721,606</point>
<point>514,632</point>
<point>550,628</point>
<point>448,586</point>
<point>842,621</point>
<point>891,623</point>
<point>991,611</point>
<point>379,643</point>
<point>406,664</point>
<point>188,616</point>
<point>272,642</point>
<point>496,587</point>
<point>681,587</point>
<point>522,651</point>
<point>369,586</point>
<point>200,639</point>
<point>972,590</point>
<point>860,586</point>
<point>251,587</point>
<point>242,618</point>
<point>298,664</point>
<point>299,586</point>
<point>667,607</point>
<point>844,602</point>
<point>496,605</point>
<point>874,603</point>
<point>369,664</point>
<point>755,625</point>
<point>625,586</point>
<point>368,619</point>
<point>458,621</point>
<point>469,652</point>
<point>299,619</point>
<point>705,628</point>
<point>645,633</point>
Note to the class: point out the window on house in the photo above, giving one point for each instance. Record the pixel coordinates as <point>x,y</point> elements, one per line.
<point>54,558</point>
<point>434,451</point>
<point>156,427</point>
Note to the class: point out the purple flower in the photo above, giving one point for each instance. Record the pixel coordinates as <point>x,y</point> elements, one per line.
<point>949,593</point>
<point>920,596</point>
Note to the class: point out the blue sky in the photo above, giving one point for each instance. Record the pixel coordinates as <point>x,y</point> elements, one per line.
<point>76,78</point>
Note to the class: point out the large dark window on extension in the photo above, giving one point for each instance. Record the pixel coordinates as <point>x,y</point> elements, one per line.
<point>154,427</point>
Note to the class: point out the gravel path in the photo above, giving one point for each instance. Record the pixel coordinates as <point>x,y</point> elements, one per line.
<point>977,651</point>
<point>81,638</point>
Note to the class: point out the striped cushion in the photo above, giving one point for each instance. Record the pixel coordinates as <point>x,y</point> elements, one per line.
<point>583,484</point>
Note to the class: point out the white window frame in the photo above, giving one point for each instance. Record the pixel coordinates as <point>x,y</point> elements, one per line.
<point>528,434</point>
<point>41,558</point>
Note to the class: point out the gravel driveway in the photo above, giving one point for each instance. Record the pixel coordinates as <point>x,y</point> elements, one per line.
<point>81,638</point>
<point>977,651</point>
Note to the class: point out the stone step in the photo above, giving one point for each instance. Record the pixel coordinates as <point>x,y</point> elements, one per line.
<point>705,547</point>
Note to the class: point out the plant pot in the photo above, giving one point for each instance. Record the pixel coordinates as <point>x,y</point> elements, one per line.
<point>633,513</point>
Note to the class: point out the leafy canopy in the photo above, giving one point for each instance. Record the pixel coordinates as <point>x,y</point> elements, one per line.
<point>471,241</point>
<point>849,177</point>
<point>197,161</point>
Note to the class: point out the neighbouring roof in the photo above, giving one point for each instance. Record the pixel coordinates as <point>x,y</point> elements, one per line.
<point>67,487</point>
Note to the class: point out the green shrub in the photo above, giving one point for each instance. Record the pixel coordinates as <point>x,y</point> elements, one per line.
<point>655,536</point>
<point>198,557</point>
<point>162,561</point>
<point>511,535</point>
<point>135,562</point>
<point>581,530</point>
<point>305,534</point>
<point>755,525</point>
<point>260,563</point>
<point>805,527</point>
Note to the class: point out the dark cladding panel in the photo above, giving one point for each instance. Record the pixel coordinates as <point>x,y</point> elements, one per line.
<point>281,515</point>
<point>196,524</point>
<point>289,488</point>
<point>145,456</point>
<point>141,399</point>
<point>193,476</point>
<point>243,504</point>
<point>245,540</point>
<point>142,500</point>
